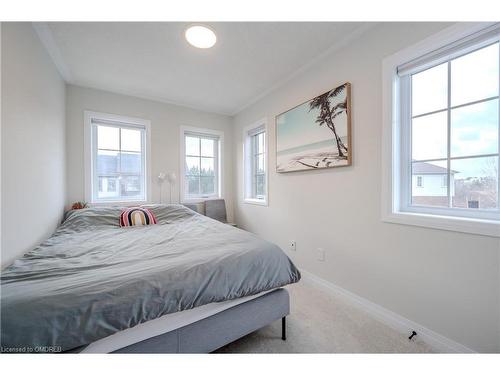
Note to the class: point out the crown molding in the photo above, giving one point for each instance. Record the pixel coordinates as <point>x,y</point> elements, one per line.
<point>47,39</point>
<point>152,98</point>
<point>350,37</point>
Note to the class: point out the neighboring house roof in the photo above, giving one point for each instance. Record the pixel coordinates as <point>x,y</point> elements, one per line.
<point>427,168</point>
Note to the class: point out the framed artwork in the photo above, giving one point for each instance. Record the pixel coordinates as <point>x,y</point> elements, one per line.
<point>316,134</point>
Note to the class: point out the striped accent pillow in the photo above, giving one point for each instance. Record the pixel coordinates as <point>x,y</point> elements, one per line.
<point>137,216</point>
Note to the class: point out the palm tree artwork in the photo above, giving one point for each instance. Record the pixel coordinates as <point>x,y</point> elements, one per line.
<point>328,113</point>
<point>315,134</point>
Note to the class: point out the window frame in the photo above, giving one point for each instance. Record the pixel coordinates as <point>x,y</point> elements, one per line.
<point>90,144</point>
<point>406,128</point>
<point>249,174</point>
<point>219,163</point>
<point>395,140</point>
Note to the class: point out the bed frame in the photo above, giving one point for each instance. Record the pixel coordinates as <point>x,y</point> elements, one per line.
<point>216,331</point>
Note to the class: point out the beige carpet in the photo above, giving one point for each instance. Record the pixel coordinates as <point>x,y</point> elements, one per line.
<point>321,322</point>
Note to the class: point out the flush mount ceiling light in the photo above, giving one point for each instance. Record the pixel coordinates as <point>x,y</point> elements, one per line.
<point>200,36</point>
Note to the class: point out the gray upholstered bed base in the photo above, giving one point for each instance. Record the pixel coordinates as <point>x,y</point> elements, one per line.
<point>209,334</point>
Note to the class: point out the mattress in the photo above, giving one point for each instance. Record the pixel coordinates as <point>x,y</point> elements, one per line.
<point>164,324</point>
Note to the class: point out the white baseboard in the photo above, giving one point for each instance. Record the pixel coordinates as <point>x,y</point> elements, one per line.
<point>401,324</point>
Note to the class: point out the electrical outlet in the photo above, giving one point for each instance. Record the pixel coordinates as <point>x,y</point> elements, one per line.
<point>320,254</point>
<point>293,246</point>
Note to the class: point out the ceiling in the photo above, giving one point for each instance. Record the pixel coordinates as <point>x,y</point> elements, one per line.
<point>154,61</point>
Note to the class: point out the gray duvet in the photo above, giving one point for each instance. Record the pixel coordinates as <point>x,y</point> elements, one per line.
<point>93,278</point>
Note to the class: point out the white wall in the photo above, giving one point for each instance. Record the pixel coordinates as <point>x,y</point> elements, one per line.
<point>33,142</point>
<point>166,121</point>
<point>446,281</point>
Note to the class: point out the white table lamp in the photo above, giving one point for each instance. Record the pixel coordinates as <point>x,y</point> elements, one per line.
<point>161,179</point>
<point>171,178</point>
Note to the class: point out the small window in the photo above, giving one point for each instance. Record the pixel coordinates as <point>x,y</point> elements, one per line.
<point>117,158</point>
<point>255,161</point>
<point>419,181</point>
<point>201,164</point>
<point>473,204</point>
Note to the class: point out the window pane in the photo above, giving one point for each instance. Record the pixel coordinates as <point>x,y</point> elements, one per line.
<point>260,163</point>
<point>108,187</point>
<point>207,185</point>
<point>201,165</point>
<point>255,144</point>
<point>474,129</point>
<point>207,166</point>
<point>475,182</point>
<point>429,183</point>
<point>130,186</point>
<point>207,147</point>
<point>430,90</point>
<point>260,183</point>
<point>131,162</point>
<point>429,137</point>
<point>192,185</point>
<point>193,146</point>
<point>262,139</point>
<point>108,137</point>
<point>192,165</point>
<point>475,76</point>
<point>107,162</point>
<point>131,140</point>
<point>258,143</point>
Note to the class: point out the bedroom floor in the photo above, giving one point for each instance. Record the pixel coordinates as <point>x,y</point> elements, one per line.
<point>321,322</point>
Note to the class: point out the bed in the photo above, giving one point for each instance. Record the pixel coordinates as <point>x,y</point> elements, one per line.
<point>188,284</point>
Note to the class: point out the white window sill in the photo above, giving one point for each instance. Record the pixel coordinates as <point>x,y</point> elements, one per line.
<point>118,203</point>
<point>451,223</point>
<point>199,200</point>
<point>258,202</point>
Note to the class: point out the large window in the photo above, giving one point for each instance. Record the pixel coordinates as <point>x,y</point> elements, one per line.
<point>201,163</point>
<point>255,163</point>
<point>453,127</point>
<point>116,154</point>
<point>446,133</point>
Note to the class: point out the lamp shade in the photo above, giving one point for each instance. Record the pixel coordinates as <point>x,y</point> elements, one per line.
<point>171,177</point>
<point>161,177</point>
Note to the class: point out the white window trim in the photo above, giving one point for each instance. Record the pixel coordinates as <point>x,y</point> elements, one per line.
<point>391,135</point>
<point>88,156</point>
<point>246,162</point>
<point>220,163</point>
